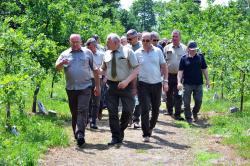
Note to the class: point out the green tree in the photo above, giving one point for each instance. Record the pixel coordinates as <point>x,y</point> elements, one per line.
<point>144,13</point>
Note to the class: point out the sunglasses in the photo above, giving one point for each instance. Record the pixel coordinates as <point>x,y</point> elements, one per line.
<point>155,40</point>
<point>145,41</point>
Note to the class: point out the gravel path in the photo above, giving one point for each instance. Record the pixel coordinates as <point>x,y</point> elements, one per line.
<point>170,145</point>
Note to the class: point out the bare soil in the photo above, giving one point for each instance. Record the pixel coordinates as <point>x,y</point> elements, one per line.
<point>170,144</point>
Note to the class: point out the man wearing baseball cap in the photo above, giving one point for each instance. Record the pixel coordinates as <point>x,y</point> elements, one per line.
<point>191,68</point>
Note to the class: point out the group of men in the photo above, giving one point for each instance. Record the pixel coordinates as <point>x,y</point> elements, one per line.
<point>133,68</point>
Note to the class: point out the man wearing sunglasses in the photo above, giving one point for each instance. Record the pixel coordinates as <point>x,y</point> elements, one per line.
<point>155,40</point>
<point>133,40</point>
<point>150,83</point>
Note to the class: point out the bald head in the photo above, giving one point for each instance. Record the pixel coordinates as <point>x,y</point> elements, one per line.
<point>75,42</point>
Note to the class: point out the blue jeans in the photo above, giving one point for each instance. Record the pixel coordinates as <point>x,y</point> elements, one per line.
<point>197,92</point>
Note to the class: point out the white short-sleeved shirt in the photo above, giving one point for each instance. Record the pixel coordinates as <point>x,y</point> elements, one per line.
<point>150,65</point>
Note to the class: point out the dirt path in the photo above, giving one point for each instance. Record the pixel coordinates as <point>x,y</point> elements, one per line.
<point>170,145</point>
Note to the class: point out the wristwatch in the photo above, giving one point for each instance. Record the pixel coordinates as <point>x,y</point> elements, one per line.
<point>165,81</point>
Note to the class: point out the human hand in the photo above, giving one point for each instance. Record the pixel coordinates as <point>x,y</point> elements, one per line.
<point>179,86</point>
<point>123,84</point>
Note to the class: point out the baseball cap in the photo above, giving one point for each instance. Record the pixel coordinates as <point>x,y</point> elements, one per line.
<point>192,45</point>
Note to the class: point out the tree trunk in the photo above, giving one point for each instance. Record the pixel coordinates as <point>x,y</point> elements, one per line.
<point>242,92</point>
<point>35,98</point>
<point>52,85</point>
<point>8,114</point>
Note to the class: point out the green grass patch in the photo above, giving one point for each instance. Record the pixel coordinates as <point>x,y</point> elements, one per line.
<point>141,151</point>
<point>232,126</point>
<point>182,124</point>
<point>204,157</point>
<point>37,132</point>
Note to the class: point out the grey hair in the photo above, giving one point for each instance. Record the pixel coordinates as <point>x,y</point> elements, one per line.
<point>75,35</point>
<point>91,41</point>
<point>176,31</point>
<point>114,37</point>
<point>154,34</point>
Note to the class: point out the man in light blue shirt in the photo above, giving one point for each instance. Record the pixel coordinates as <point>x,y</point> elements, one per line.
<point>77,63</point>
<point>149,86</point>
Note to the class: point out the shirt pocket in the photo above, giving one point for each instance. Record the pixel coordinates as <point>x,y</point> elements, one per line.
<point>84,62</point>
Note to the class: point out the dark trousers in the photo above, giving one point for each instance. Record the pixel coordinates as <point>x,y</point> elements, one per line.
<point>137,113</point>
<point>197,95</point>
<point>94,103</point>
<point>79,107</point>
<point>173,99</point>
<point>117,126</point>
<point>149,94</point>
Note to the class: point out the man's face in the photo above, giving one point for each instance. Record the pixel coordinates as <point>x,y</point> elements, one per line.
<point>155,40</point>
<point>146,41</point>
<point>176,38</point>
<point>192,52</point>
<point>124,41</point>
<point>92,47</point>
<point>132,39</point>
<point>111,44</point>
<point>75,43</point>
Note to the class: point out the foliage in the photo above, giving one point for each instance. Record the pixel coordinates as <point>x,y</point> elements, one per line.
<point>144,13</point>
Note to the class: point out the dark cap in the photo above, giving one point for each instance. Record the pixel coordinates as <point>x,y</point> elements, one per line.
<point>192,45</point>
<point>95,36</point>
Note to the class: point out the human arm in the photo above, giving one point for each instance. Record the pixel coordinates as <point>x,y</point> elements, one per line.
<point>179,78</point>
<point>60,62</point>
<point>205,73</point>
<point>164,70</point>
<point>123,84</point>
<point>97,89</point>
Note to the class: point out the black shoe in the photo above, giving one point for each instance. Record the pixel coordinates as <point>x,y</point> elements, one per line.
<point>93,126</point>
<point>189,120</point>
<point>179,118</point>
<point>114,142</point>
<point>80,141</point>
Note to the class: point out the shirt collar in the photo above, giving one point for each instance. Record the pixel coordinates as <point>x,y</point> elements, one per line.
<point>70,49</point>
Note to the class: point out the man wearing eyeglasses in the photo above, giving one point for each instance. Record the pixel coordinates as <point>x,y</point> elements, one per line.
<point>173,53</point>
<point>150,83</point>
<point>133,40</point>
<point>155,40</point>
<point>78,65</point>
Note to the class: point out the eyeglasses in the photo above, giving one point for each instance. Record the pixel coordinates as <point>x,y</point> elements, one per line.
<point>145,41</point>
<point>129,39</point>
<point>155,40</point>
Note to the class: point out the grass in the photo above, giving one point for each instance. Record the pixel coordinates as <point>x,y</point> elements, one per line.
<point>37,132</point>
<point>204,157</point>
<point>232,126</point>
